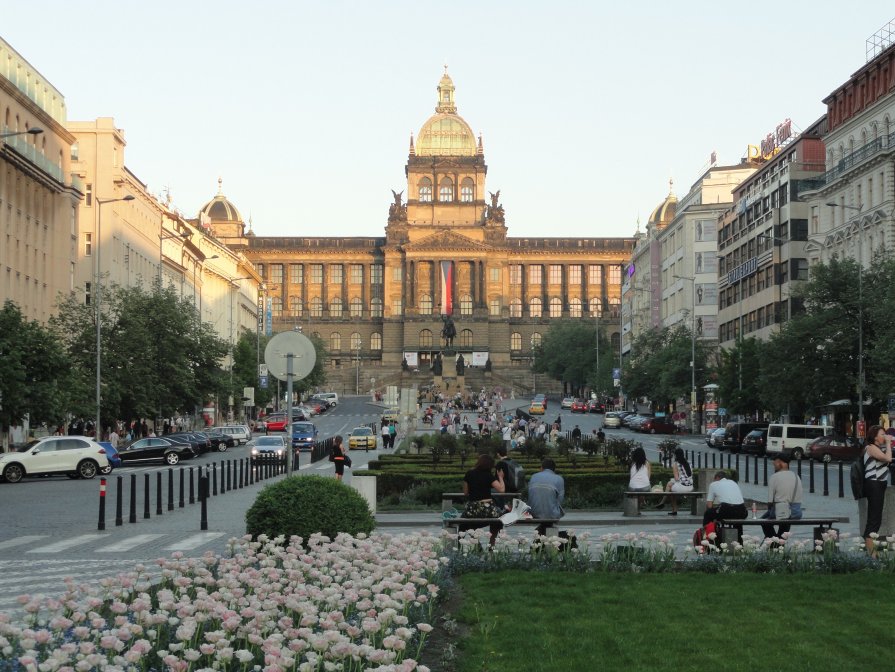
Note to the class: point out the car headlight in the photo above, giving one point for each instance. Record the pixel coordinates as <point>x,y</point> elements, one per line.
<point>254,451</point>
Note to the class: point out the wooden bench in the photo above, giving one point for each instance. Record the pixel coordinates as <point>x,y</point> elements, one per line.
<point>632,500</point>
<point>448,499</point>
<point>731,530</point>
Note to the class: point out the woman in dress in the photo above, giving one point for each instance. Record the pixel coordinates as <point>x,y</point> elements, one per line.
<point>477,486</point>
<point>877,460</point>
<point>337,456</point>
<point>682,480</point>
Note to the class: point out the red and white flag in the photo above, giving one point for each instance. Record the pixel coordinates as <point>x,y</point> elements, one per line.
<point>447,287</point>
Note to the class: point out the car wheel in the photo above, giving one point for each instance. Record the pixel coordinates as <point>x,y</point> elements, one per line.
<point>222,447</point>
<point>172,458</point>
<point>827,458</point>
<point>87,469</point>
<point>652,431</point>
<point>13,473</point>
<point>105,471</point>
<point>797,454</point>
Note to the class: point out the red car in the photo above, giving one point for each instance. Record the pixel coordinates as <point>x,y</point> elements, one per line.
<point>276,423</point>
<point>579,406</point>
<point>662,425</point>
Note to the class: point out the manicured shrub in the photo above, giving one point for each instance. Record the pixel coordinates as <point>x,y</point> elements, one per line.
<point>303,505</point>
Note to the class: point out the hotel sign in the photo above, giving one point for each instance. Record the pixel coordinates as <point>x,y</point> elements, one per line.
<point>744,270</point>
<point>772,142</point>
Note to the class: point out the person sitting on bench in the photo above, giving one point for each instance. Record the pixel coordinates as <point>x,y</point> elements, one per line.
<point>724,500</point>
<point>546,491</point>
<point>784,497</point>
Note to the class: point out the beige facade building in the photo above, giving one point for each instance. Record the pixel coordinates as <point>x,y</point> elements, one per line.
<point>380,303</point>
<point>38,194</point>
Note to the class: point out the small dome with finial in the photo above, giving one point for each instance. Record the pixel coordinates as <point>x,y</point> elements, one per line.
<point>219,209</point>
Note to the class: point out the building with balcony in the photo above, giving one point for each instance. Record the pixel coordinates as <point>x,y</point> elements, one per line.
<point>38,194</point>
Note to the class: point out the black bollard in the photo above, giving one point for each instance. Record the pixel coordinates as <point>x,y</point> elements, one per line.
<point>826,479</point>
<point>192,491</point>
<point>765,469</point>
<point>242,474</point>
<point>170,489</point>
<point>229,474</point>
<point>223,488</point>
<point>203,500</point>
<point>146,498</point>
<point>810,476</point>
<point>158,493</point>
<point>841,481</point>
<point>699,460</point>
<point>755,464</point>
<point>214,479</point>
<point>799,467</point>
<point>251,471</point>
<point>180,501</point>
<point>132,516</point>
<point>101,523</point>
<point>737,465</point>
<point>747,467</point>
<point>119,519</point>
<point>713,460</point>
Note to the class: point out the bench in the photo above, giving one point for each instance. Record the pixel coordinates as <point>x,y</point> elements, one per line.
<point>551,525</point>
<point>632,500</point>
<point>731,530</point>
<point>448,499</point>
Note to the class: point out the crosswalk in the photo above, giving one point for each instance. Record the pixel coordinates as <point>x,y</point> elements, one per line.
<point>35,545</point>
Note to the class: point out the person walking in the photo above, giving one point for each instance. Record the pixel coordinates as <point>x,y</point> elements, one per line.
<point>392,433</point>
<point>784,497</point>
<point>337,457</point>
<point>385,436</point>
<point>877,460</point>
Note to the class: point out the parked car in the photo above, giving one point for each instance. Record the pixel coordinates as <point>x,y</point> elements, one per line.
<point>579,406</point>
<point>304,435</point>
<point>716,438</point>
<point>736,432</point>
<point>332,398</point>
<point>155,449</point>
<point>112,456</point>
<point>594,406</point>
<point>658,425</point>
<point>362,437</point>
<point>276,422</point>
<point>240,433</point>
<point>220,441</point>
<point>793,440</point>
<point>833,447</point>
<point>755,442</point>
<point>269,448</point>
<point>612,420</point>
<point>74,456</point>
<point>567,402</point>
<point>199,444</point>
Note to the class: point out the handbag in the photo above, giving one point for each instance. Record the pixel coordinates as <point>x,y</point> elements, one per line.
<point>347,460</point>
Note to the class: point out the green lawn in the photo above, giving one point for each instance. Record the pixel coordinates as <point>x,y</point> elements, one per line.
<point>530,621</point>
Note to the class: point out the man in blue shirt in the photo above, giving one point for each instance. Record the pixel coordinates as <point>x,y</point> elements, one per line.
<point>546,491</point>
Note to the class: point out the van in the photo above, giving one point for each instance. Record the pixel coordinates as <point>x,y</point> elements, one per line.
<point>331,397</point>
<point>736,432</point>
<point>240,433</point>
<point>793,439</point>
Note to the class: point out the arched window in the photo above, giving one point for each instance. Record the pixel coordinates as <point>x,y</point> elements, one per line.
<point>425,338</point>
<point>335,307</point>
<point>535,306</point>
<point>555,307</point>
<point>575,307</point>
<point>376,341</point>
<point>357,307</point>
<point>425,304</point>
<point>596,307</point>
<point>335,342</point>
<point>425,190</point>
<point>356,341</point>
<point>536,339</point>
<point>863,137</point>
<point>295,306</point>
<point>316,307</point>
<point>446,190</point>
<point>516,308</point>
<point>515,341</point>
<point>466,338</point>
<point>376,308</point>
<point>467,190</point>
<point>276,306</point>
<point>466,305</point>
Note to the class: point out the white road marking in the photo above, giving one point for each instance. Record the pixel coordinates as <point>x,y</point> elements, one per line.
<point>323,467</point>
<point>129,543</point>
<point>21,541</point>
<point>193,541</point>
<point>64,545</point>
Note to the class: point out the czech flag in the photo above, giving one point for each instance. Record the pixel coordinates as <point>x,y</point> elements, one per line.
<point>447,287</point>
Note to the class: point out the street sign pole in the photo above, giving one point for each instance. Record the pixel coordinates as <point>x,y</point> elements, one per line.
<point>289,376</point>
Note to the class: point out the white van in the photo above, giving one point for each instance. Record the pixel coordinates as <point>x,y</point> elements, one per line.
<point>240,433</point>
<point>331,397</point>
<point>792,439</point>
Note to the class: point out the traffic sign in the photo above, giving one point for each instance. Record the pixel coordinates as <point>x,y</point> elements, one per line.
<point>278,351</point>
<point>722,411</point>
<point>263,382</point>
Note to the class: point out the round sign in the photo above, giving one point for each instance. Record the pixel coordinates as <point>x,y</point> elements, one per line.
<point>276,355</point>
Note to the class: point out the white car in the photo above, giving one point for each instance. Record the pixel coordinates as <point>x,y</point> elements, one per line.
<point>269,448</point>
<point>567,402</point>
<point>75,456</point>
<point>240,433</point>
<point>612,421</point>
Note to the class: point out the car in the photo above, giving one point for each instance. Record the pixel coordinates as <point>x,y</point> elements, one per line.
<point>537,408</point>
<point>304,435</point>
<point>737,431</point>
<point>755,442</point>
<point>633,422</point>
<point>716,438</point>
<point>361,437</point>
<point>220,441</point>
<point>331,398</point>
<point>155,449</point>
<point>541,398</point>
<point>199,444</point>
<point>579,406</point>
<point>833,447</point>
<point>567,402</point>
<point>391,415</point>
<point>111,455</point>
<point>658,425</point>
<point>269,448</point>
<point>594,406</point>
<point>240,433</point>
<point>74,456</point>
<point>276,422</point>
<point>612,420</point>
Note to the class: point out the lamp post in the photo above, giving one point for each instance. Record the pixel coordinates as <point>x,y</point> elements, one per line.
<point>100,202</point>
<point>534,376</point>
<point>162,237</point>
<point>858,208</point>
<point>692,280</point>
<point>357,369</point>
<point>34,130</point>
<point>233,287</point>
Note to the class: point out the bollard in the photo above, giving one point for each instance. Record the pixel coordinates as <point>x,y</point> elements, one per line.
<point>146,498</point>
<point>240,481</point>
<point>841,481</point>
<point>811,477</point>
<point>119,519</point>
<point>826,479</point>
<point>799,468</point>
<point>170,489</point>
<point>101,524</point>
<point>699,460</point>
<point>158,493</point>
<point>192,491</point>
<point>737,465</point>
<point>223,477</point>
<point>180,501</point>
<point>132,517</point>
<point>713,460</point>
<point>214,479</point>
<point>747,467</point>
<point>251,471</point>
<point>203,500</point>
<point>755,465</point>
<point>229,475</point>
<point>765,469</point>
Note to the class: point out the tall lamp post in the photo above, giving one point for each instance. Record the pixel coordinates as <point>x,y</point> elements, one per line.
<point>858,208</point>
<point>692,281</point>
<point>357,369</point>
<point>100,202</point>
<point>34,130</point>
<point>233,286</point>
<point>534,376</point>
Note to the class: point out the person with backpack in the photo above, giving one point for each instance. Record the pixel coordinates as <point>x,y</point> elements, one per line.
<point>546,492</point>
<point>877,460</point>
<point>513,473</point>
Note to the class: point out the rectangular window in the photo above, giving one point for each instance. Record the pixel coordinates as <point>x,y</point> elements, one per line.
<point>555,274</point>
<point>276,273</point>
<point>594,275</point>
<point>397,308</point>
<point>397,273</point>
<point>88,195</point>
<point>535,274</point>
<point>494,308</point>
<point>870,191</point>
<point>575,274</point>
<point>515,274</point>
<point>376,274</point>
<point>615,274</point>
<point>88,244</point>
<point>357,274</point>
<point>296,274</point>
<point>316,274</point>
<point>260,269</point>
<point>335,274</point>
<point>493,274</point>
<point>799,269</point>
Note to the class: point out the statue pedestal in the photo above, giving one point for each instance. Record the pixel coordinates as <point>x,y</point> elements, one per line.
<point>439,382</point>
<point>461,382</point>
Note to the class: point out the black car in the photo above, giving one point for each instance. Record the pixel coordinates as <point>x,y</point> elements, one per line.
<point>154,449</point>
<point>219,441</point>
<point>755,442</point>
<point>199,444</point>
<point>737,431</point>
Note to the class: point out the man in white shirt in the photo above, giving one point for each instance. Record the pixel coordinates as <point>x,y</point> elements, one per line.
<point>113,438</point>
<point>724,500</point>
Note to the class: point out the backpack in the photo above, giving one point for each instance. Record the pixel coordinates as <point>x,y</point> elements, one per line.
<point>857,477</point>
<point>515,476</point>
<point>704,533</point>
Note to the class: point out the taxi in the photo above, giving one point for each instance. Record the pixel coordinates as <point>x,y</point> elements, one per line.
<point>362,437</point>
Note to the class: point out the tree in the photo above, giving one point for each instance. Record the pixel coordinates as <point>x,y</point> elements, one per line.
<point>738,377</point>
<point>568,353</point>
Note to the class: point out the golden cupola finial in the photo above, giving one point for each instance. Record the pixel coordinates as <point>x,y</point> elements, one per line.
<point>446,103</point>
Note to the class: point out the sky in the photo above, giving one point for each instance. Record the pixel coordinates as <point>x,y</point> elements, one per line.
<point>305,109</point>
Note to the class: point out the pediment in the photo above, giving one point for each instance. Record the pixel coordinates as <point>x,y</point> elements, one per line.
<point>446,241</point>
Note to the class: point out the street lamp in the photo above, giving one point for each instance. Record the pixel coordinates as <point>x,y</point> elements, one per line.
<point>858,208</point>
<point>534,375</point>
<point>357,369</point>
<point>34,130</point>
<point>692,280</point>
<point>161,238</point>
<point>100,202</point>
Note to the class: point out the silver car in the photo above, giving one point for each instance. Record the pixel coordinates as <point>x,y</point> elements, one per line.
<point>612,420</point>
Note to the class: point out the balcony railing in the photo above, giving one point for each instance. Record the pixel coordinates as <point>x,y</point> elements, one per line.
<point>21,145</point>
<point>846,164</point>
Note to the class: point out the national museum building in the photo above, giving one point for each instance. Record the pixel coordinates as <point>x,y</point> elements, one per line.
<point>380,303</point>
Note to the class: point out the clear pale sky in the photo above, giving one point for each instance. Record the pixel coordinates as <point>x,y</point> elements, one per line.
<point>305,109</point>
